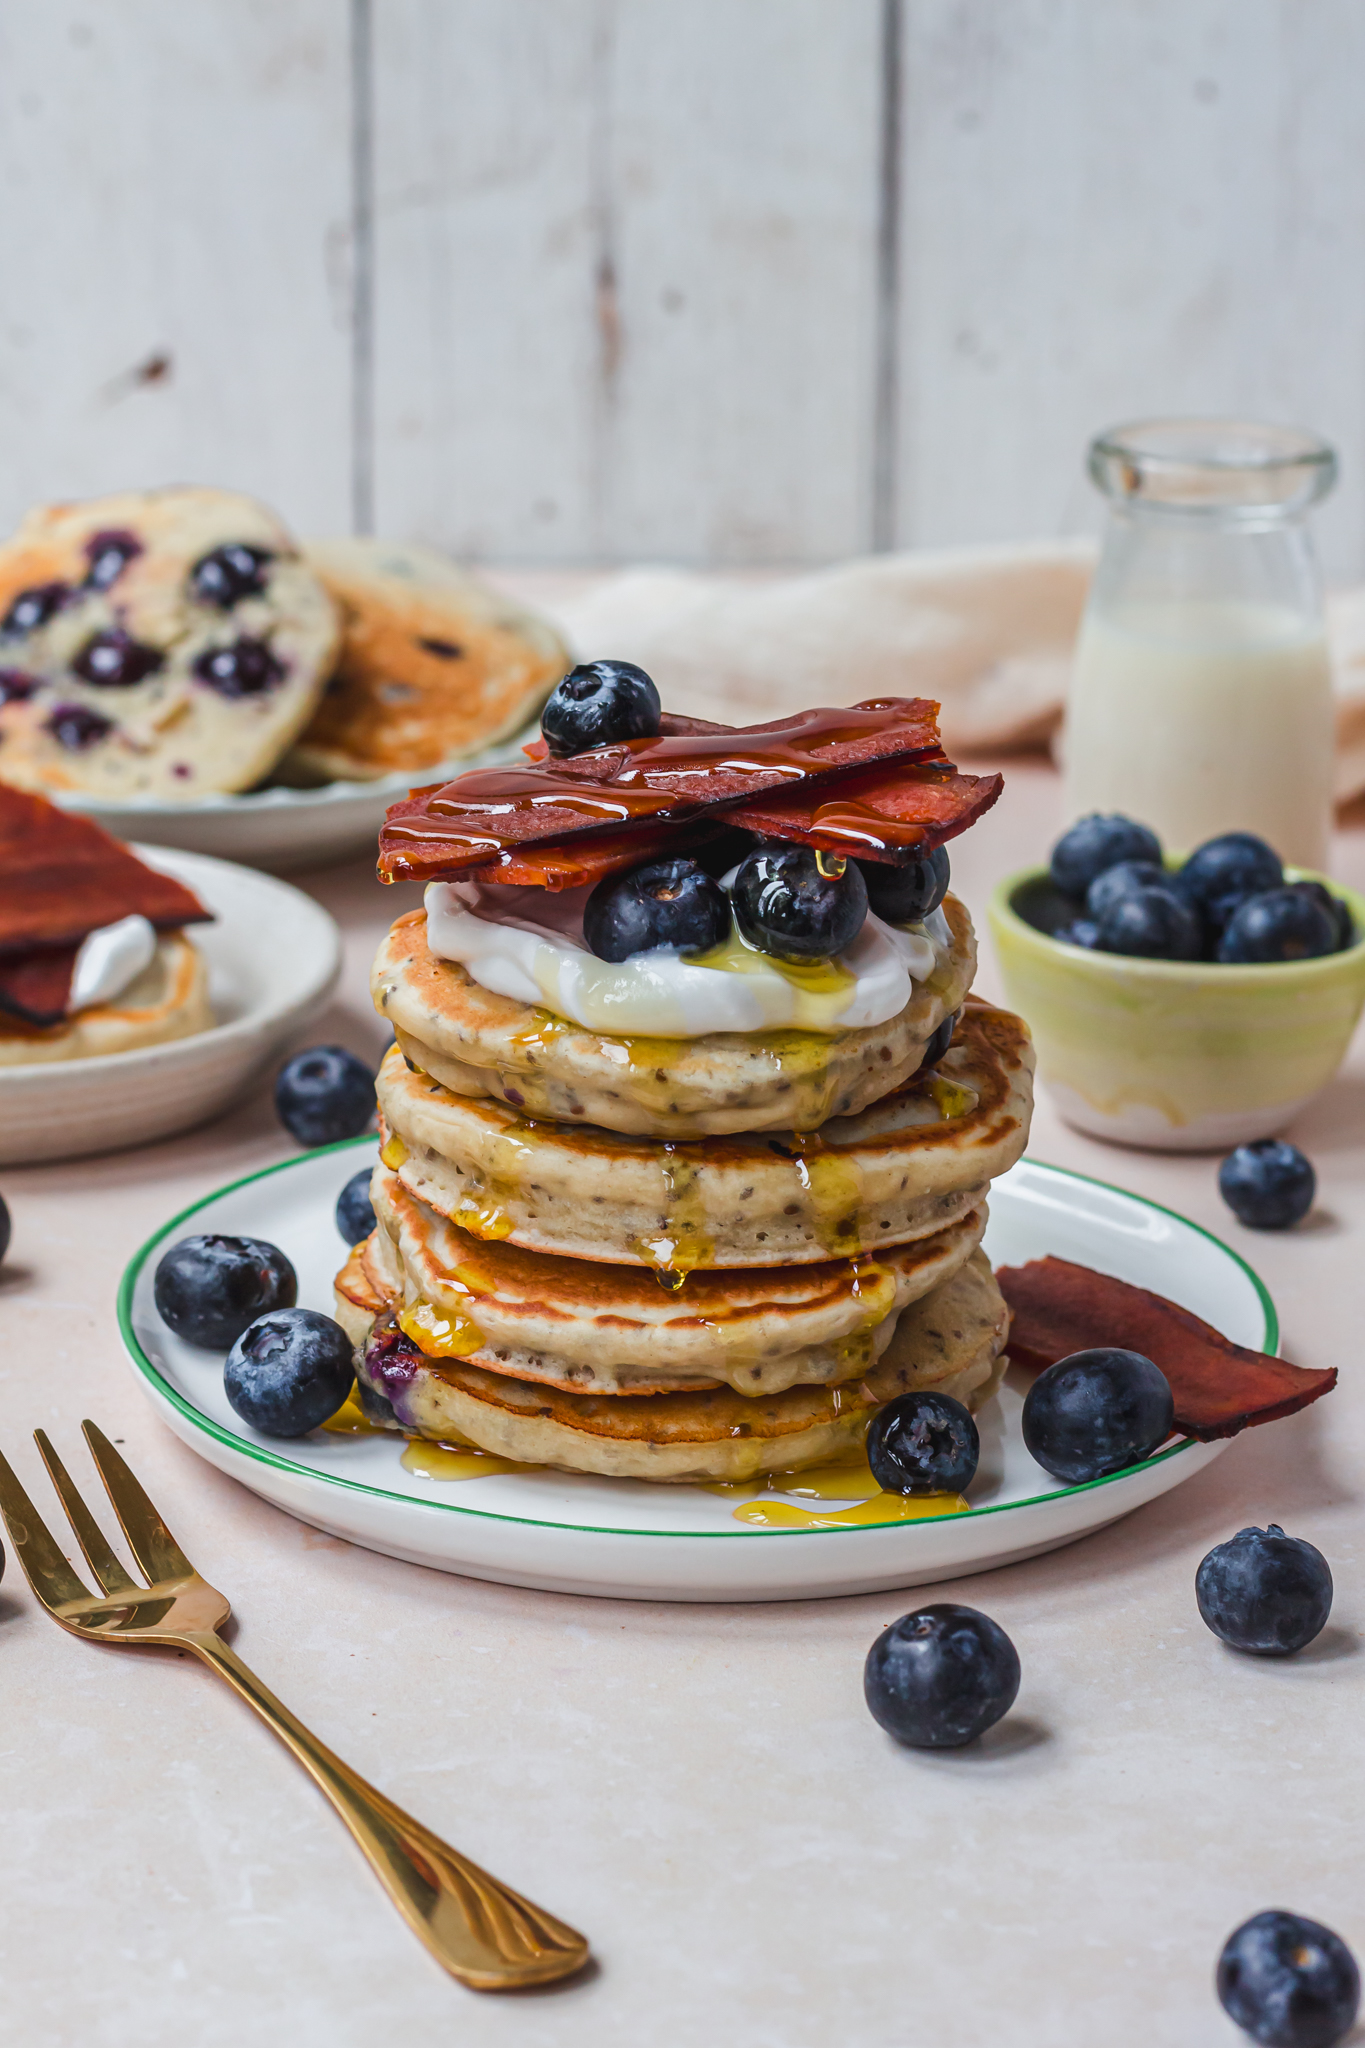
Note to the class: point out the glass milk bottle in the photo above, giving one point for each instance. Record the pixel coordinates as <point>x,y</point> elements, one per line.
<point>1200,697</point>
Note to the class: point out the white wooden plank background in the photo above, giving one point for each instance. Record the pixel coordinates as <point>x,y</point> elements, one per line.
<point>648,280</point>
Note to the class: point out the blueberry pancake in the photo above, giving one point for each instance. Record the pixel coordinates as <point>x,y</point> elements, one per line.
<point>434,664</point>
<point>166,643</point>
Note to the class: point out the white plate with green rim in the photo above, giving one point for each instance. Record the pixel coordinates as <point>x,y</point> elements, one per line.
<point>626,1539</point>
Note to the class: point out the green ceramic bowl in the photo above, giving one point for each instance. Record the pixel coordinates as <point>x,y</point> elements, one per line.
<point>1181,1056</point>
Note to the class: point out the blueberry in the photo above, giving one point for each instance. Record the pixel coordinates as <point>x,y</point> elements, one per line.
<point>1151,924</point>
<point>114,660</point>
<point>1268,1184</point>
<point>1121,880</point>
<point>33,608</point>
<point>289,1371</point>
<point>908,894</point>
<point>1222,871</point>
<point>208,1289</point>
<point>1080,932</point>
<point>1337,909</point>
<point>599,704</point>
<point>76,726</point>
<point>1097,1412</point>
<point>1096,843</point>
<point>324,1094</point>
<point>941,1040</point>
<point>1264,1591</point>
<point>799,905</point>
<point>1282,924</point>
<point>923,1443</point>
<point>1289,1982</point>
<point>4,1229</point>
<point>665,903</point>
<point>354,1209</point>
<point>16,684</point>
<point>109,555</point>
<point>941,1676</point>
<point>246,668</point>
<point>226,575</point>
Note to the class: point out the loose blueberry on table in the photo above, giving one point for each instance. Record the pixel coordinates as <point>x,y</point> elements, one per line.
<point>354,1209</point>
<point>1265,1592</point>
<point>1289,1982</point>
<point>324,1095</point>
<point>600,704</point>
<point>1268,1184</point>
<point>665,903</point>
<point>940,1677</point>
<point>1096,843</point>
<point>908,893</point>
<point>923,1443</point>
<point>1097,1412</point>
<point>227,574</point>
<point>289,1371</point>
<point>798,905</point>
<point>209,1288</point>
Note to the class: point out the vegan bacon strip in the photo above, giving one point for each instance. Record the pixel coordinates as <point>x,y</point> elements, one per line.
<point>66,877</point>
<point>889,814</point>
<point>1220,1388</point>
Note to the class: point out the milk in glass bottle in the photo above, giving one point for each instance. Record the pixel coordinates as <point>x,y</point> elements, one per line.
<point>1200,698</point>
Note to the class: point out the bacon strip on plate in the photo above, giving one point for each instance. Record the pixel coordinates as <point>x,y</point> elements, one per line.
<point>66,877</point>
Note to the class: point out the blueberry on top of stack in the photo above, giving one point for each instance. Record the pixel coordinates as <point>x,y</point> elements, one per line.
<point>1229,902</point>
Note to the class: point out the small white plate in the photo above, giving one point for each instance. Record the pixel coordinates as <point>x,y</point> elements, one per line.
<point>273,958</point>
<point>280,829</point>
<point>624,1538</point>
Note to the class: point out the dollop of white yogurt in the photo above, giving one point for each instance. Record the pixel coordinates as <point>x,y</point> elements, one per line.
<point>109,960</point>
<point>528,944</point>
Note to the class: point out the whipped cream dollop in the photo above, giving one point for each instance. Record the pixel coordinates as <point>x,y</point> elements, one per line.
<point>109,960</point>
<point>528,944</point>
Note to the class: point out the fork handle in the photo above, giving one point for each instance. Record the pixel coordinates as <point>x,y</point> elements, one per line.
<point>478,1928</point>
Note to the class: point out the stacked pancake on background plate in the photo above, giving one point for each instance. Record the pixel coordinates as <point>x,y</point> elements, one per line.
<point>686,1255</point>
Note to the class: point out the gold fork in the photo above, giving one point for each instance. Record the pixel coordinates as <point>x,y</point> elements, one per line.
<point>481,1931</point>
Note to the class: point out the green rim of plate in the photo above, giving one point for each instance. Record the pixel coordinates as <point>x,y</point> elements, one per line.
<point>243,1447</point>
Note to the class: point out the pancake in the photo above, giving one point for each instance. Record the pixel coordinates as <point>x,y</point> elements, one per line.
<point>480,1044</point>
<point>169,999</point>
<point>905,1168</point>
<point>952,1339</point>
<point>615,1329</point>
<point>434,664</point>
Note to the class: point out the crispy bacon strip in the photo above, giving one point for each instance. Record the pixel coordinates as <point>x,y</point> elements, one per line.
<point>569,863</point>
<point>644,783</point>
<point>1220,1388</point>
<point>887,814</point>
<point>35,987</point>
<point>64,876</point>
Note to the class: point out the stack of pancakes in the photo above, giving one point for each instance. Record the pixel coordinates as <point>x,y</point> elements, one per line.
<point>693,1261</point>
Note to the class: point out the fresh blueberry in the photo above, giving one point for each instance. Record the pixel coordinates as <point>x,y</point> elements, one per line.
<point>1121,880</point>
<point>1222,871</point>
<point>797,904</point>
<point>33,608</point>
<point>665,903</point>
<point>941,1676</point>
<point>324,1094</point>
<point>114,660</point>
<point>355,1210</point>
<point>1337,909</point>
<point>599,704</point>
<point>923,1443</point>
<point>1268,1184</point>
<point>1080,932</point>
<point>289,1371</point>
<point>1264,1591</point>
<point>1282,924</point>
<point>1097,1412</point>
<point>1151,924</point>
<point>1289,1982</point>
<point>246,668</point>
<point>4,1229</point>
<point>908,894</point>
<point>226,575</point>
<point>1096,843</point>
<point>941,1040</point>
<point>208,1289</point>
<point>16,684</point>
<point>109,555</point>
<point>76,726</point>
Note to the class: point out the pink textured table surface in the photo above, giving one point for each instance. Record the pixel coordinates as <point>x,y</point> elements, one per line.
<point>699,1788</point>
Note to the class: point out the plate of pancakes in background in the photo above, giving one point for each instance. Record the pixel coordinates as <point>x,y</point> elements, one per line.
<point>176,665</point>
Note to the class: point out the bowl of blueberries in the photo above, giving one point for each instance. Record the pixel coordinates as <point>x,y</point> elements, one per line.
<point>1186,1003</point>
